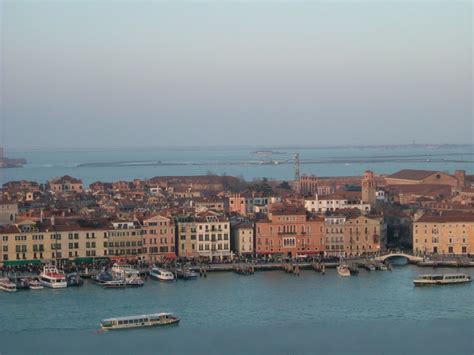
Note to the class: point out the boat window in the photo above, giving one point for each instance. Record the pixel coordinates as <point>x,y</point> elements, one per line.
<point>120,322</point>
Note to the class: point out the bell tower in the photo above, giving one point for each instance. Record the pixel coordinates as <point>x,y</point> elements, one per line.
<point>368,188</point>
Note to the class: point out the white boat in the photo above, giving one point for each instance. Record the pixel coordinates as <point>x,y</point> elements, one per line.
<point>146,320</point>
<point>35,285</point>
<point>6,285</point>
<point>343,270</point>
<point>52,277</point>
<point>440,279</point>
<point>161,274</point>
<point>115,284</point>
<point>127,274</point>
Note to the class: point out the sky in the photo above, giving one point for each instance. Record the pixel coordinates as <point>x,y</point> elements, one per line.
<point>106,73</point>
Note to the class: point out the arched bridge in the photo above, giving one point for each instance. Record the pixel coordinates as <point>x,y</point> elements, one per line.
<point>411,258</point>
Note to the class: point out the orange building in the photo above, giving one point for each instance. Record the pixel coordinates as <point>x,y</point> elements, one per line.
<point>158,238</point>
<point>289,231</point>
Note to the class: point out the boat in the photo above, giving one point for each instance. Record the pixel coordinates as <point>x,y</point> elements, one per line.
<point>34,284</point>
<point>73,279</point>
<point>6,285</point>
<point>146,320</point>
<point>22,284</point>
<point>103,277</point>
<point>343,270</point>
<point>115,284</point>
<point>161,274</point>
<point>353,269</point>
<point>52,277</point>
<point>187,274</point>
<point>440,279</point>
<point>135,282</point>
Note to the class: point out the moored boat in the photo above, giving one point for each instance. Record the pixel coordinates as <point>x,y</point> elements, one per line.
<point>146,320</point>
<point>343,270</point>
<point>115,284</point>
<point>187,274</point>
<point>34,284</point>
<point>52,277</point>
<point>6,285</point>
<point>440,279</point>
<point>161,274</point>
<point>73,279</point>
<point>103,277</point>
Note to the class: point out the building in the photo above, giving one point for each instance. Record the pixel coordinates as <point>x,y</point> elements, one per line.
<point>247,204</point>
<point>411,177</point>
<point>29,242</point>
<point>348,232</point>
<point>369,188</point>
<point>210,203</point>
<point>65,184</point>
<point>336,201</point>
<point>158,238</point>
<point>125,240</point>
<point>205,235</point>
<point>242,237</point>
<point>8,212</point>
<point>288,231</point>
<point>448,232</point>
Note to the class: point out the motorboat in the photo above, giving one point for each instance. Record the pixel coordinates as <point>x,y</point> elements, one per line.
<point>115,284</point>
<point>343,270</point>
<point>146,320</point>
<point>440,279</point>
<point>103,277</point>
<point>187,274</point>
<point>161,274</point>
<point>52,277</point>
<point>34,284</point>
<point>6,285</point>
<point>73,279</point>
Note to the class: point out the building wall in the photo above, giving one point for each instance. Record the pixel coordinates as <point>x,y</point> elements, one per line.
<point>214,239</point>
<point>290,235</point>
<point>8,212</point>
<point>53,245</point>
<point>443,238</point>
<point>242,240</point>
<point>158,238</point>
<point>125,241</point>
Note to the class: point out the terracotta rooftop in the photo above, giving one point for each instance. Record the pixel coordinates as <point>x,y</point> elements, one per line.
<point>411,174</point>
<point>446,217</point>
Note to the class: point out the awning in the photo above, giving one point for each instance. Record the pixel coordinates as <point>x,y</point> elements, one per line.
<point>21,262</point>
<point>84,260</point>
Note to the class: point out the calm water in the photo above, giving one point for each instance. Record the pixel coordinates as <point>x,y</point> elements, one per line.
<point>267,313</point>
<point>44,164</point>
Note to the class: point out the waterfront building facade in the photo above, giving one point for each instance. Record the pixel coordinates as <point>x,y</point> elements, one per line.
<point>242,237</point>
<point>158,238</point>
<point>448,232</point>
<point>29,242</point>
<point>125,240</point>
<point>288,231</point>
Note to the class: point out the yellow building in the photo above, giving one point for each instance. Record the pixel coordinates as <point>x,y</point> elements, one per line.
<point>446,233</point>
<point>125,240</point>
<point>29,242</point>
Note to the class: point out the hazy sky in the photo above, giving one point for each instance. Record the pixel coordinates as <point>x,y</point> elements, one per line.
<point>109,73</point>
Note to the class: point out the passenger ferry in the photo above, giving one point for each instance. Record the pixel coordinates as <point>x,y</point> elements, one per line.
<point>52,277</point>
<point>6,285</point>
<point>440,279</point>
<point>161,274</point>
<point>147,320</point>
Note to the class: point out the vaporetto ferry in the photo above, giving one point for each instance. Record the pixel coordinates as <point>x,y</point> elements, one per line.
<point>439,279</point>
<point>146,320</point>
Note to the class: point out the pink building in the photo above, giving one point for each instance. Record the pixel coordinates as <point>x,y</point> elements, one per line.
<point>158,238</point>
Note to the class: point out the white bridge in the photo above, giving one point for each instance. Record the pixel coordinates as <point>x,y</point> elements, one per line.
<point>411,258</point>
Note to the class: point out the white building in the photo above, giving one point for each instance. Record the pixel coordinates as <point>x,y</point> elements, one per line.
<point>336,201</point>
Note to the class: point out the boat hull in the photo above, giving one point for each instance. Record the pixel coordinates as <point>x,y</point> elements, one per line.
<point>141,325</point>
<point>55,285</point>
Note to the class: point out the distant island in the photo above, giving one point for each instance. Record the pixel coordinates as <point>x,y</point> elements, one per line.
<point>10,163</point>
